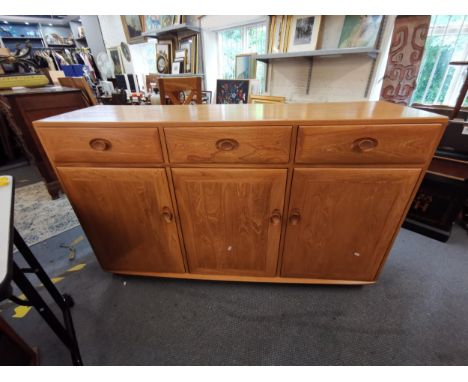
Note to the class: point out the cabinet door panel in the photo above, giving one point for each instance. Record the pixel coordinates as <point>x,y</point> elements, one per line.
<point>226,217</point>
<point>127,216</point>
<point>342,220</point>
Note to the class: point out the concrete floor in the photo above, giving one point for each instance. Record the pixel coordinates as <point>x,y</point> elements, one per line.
<point>417,314</point>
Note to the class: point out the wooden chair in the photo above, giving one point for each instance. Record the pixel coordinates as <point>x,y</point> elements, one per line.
<point>173,86</point>
<point>80,83</point>
<point>266,99</point>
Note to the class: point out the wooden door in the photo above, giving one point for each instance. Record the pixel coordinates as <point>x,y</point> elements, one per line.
<point>127,215</point>
<point>341,221</point>
<point>231,219</point>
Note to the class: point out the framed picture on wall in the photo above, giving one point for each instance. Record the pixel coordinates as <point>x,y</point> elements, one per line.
<point>360,31</point>
<point>245,67</point>
<point>302,33</point>
<point>232,91</point>
<point>134,26</point>
<point>156,22</point>
<point>116,59</point>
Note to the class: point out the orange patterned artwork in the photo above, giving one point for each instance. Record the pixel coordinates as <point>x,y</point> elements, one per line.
<point>404,60</point>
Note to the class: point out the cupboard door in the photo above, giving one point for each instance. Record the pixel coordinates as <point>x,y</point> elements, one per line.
<point>127,215</point>
<point>231,219</point>
<point>341,221</point>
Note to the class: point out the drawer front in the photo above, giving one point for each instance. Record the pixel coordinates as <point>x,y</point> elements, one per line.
<point>366,144</point>
<point>228,144</point>
<point>102,145</point>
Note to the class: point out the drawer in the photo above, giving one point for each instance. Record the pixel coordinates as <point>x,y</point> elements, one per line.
<point>366,144</point>
<point>228,144</point>
<point>102,145</point>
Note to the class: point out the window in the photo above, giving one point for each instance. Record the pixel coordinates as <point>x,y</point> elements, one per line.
<point>438,82</point>
<point>245,39</point>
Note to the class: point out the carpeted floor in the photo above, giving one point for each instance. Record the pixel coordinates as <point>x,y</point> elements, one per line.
<point>417,314</point>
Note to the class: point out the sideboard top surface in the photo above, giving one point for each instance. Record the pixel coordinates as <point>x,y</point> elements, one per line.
<point>351,113</point>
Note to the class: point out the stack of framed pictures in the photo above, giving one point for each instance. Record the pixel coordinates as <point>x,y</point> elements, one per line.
<point>293,33</point>
<point>177,56</point>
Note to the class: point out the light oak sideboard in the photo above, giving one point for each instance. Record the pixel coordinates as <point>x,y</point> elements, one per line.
<point>292,193</point>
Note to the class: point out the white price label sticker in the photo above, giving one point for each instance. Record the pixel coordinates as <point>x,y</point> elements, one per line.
<point>465,130</point>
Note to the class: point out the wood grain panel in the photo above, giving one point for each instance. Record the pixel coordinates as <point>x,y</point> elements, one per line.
<point>226,217</point>
<point>254,115</point>
<point>125,216</point>
<point>347,218</point>
<point>339,144</point>
<point>244,144</point>
<point>124,145</point>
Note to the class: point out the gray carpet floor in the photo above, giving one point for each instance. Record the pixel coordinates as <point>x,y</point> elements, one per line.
<point>417,314</point>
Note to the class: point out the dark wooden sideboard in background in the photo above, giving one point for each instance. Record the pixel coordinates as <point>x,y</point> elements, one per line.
<point>28,105</point>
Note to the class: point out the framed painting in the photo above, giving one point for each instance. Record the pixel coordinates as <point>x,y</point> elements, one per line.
<point>245,67</point>
<point>189,43</point>
<point>360,31</point>
<point>116,59</point>
<point>276,35</point>
<point>134,26</point>
<point>163,58</point>
<point>156,22</point>
<point>232,91</point>
<point>206,96</point>
<point>302,33</point>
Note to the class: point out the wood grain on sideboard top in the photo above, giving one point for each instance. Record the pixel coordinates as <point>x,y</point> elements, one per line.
<point>349,113</point>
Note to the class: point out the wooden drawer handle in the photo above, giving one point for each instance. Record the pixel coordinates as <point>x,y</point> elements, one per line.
<point>294,217</point>
<point>227,144</point>
<point>275,217</point>
<point>167,214</point>
<point>365,144</point>
<point>100,144</point>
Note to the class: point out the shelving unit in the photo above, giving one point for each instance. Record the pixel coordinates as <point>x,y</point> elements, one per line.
<point>176,32</point>
<point>310,55</point>
<point>175,29</point>
<point>371,52</point>
<point>39,41</point>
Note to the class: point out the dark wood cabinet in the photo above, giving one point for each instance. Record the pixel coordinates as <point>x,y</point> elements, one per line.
<point>28,105</point>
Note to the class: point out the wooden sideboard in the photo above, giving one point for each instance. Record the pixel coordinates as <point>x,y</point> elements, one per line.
<point>30,104</point>
<point>295,193</point>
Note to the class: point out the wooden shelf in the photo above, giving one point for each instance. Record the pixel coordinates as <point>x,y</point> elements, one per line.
<point>179,28</point>
<point>372,52</point>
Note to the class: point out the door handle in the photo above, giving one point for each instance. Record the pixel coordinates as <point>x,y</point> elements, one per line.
<point>167,214</point>
<point>275,217</point>
<point>294,217</point>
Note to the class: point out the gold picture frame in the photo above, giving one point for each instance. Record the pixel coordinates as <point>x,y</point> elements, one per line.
<point>134,27</point>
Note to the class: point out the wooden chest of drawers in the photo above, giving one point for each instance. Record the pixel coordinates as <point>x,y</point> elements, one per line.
<point>300,193</point>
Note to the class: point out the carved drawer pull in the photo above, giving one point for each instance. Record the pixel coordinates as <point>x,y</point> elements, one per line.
<point>365,144</point>
<point>275,217</point>
<point>167,214</point>
<point>100,144</point>
<point>294,217</point>
<point>227,144</point>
